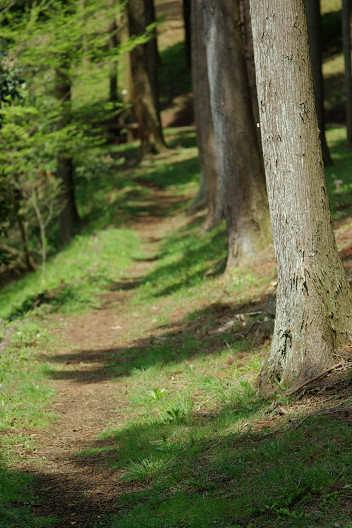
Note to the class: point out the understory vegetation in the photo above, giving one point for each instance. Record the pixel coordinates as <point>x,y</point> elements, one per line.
<point>195,444</point>
<point>200,447</point>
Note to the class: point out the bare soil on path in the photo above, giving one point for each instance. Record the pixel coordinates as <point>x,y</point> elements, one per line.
<point>81,491</point>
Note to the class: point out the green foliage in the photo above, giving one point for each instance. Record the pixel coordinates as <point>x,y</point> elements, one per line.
<point>45,45</point>
<point>76,277</point>
<point>10,85</point>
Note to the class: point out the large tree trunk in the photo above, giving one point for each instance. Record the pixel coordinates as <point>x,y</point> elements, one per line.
<point>242,179</point>
<point>68,217</point>
<point>346,39</point>
<point>203,118</point>
<point>314,35</point>
<point>314,302</point>
<point>144,62</point>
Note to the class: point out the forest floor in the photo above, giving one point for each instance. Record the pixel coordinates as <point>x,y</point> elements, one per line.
<point>129,393</point>
<point>158,423</point>
<point>88,396</point>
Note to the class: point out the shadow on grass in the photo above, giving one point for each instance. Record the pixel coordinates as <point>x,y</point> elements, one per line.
<point>331,32</point>
<point>18,504</point>
<point>198,254</point>
<point>174,76</point>
<point>119,198</point>
<point>178,343</point>
<point>202,470</point>
<point>334,87</point>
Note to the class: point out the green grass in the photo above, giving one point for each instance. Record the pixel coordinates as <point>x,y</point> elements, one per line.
<point>24,395</point>
<point>79,273</point>
<point>340,199</point>
<point>17,501</point>
<point>330,6</point>
<point>202,469</point>
<point>199,446</point>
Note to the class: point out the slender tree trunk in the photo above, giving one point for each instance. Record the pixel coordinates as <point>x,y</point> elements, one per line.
<point>186,5</point>
<point>23,228</point>
<point>68,218</point>
<point>346,39</point>
<point>314,35</point>
<point>126,75</point>
<point>204,122</point>
<point>314,302</point>
<point>113,43</point>
<point>249,54</point>
<point>112,123</point>
<point>144,61</point>
<point>242,179</point>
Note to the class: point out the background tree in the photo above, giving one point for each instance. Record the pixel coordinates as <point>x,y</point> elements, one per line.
<point>144,66</point>
<point>187,8</point>
<point>242,179</point>
<point>69,219</point>
<point>249,54</point>
<point>314,302</point>
<point>113,44</point>
<point>346,41</point>
<point>42,44</point>
<point>314,35</point>
<point>204,122</point>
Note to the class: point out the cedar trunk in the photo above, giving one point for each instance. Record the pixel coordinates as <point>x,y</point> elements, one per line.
<point>314,35</point>
<point>314,303</point>
<point>249,54</point>
<point>346,39</point>
<point>203,119</point>
<point>187,8</point>
<point>144,64</point>
<point>113,43</point>
<point>242,179</point>
<point>68,217</point>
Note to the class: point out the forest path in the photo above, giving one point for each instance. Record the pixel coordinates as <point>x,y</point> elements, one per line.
<point>82,490</point>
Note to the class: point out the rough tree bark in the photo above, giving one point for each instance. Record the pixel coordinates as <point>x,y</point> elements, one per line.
<point>314,35</point>
<point>203,119</point>
<point>144,63</point>
<point>242,180</point>
<point>346,39</point>
<point>68,217</point>
<point>314,302</point>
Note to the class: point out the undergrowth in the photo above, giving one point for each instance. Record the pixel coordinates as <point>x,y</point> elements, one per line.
<point>200,447</point>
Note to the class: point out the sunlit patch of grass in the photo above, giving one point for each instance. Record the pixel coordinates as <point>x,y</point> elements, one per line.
<point>24,396</point>
<point>23,393</point>
<point>207,470</point>
<point>334,87</point>
<point>79,273</point>
<point>328,6</point>
<point>340,195</point>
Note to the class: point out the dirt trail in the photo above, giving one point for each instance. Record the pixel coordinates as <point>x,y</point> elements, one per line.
<point>75,489</point>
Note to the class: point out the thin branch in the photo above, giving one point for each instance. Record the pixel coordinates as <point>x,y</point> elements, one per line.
<point>42,231</point>
<point>11,4</point>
